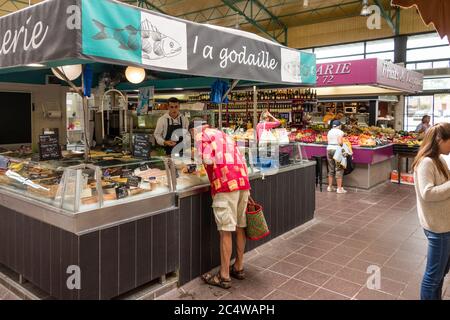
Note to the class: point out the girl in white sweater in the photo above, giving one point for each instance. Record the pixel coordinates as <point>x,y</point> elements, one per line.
<point>432,183</point>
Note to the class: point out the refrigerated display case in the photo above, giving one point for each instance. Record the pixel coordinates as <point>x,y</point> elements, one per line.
<point>85,187</point>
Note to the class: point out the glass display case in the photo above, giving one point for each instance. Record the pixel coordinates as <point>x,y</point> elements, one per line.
<point>188,174</point>
<point>85,187</point>
<point>268,157</point>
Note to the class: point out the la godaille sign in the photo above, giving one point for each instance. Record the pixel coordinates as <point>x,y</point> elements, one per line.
<point>108,31</point>
<point>369,72</point>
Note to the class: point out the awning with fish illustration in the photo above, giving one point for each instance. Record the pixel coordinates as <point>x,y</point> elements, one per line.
<point>58,32</point>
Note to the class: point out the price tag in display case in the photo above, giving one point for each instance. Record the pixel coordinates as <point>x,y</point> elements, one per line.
<point>133,182</point>
<point>121,192</point>
<point>126,173</point>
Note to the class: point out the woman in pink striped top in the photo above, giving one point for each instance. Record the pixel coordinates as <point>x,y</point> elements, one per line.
<point>267,122</point>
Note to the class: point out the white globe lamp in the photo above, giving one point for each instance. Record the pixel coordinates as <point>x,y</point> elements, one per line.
<point>72,72</point>
<point>135,75</point>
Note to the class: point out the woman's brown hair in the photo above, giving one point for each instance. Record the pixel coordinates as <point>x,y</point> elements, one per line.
<point>430,147</point>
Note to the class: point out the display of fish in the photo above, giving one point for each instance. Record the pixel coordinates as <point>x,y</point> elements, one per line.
<point>128,37</point>
<point>156,45</point>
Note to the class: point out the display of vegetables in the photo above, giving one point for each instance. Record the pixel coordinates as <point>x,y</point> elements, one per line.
<point>357,136</point>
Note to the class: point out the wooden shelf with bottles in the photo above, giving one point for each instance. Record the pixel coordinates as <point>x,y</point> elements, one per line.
<point>263,96</point>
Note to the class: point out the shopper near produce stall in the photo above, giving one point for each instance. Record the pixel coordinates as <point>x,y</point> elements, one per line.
<point>424,124</point>
<point>432,177</point>
<point>230,189</point>
<point>335,140</point>
<point>168,132</point>
<point>266,123</point>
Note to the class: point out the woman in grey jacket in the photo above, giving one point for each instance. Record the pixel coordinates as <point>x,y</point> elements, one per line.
<point>432,183</point>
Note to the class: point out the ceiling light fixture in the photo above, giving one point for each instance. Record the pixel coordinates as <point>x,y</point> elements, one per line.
<point>365,8</point>
<point>135,75</point>
<point>35,65</point>
<point>71,72</point>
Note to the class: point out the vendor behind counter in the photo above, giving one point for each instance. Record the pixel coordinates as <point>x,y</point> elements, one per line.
<point>167,132</point>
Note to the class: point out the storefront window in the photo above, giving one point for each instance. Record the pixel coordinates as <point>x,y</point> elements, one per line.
<point>426,40</point>
<point>441,108</point>
<point>426,54</point>
<point>380,45</point>
<point>436,84</point>
<point>416,108</point>
<point>347,58</point>
<point>381,55</point>
<point>427,51</point>
<point>441,64</point>
<point>340,51</point>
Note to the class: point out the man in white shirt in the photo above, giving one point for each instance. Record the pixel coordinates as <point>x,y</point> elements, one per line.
<point>171,127</point>
<point>335,141</point>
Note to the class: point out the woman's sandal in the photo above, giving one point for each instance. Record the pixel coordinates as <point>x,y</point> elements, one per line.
<point>240,275</point>
<point>216,280</point>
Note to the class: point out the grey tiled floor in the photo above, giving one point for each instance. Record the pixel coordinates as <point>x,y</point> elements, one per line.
<point>329,258</point>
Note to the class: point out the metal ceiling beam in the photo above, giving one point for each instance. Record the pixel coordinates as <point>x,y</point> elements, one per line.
<point>251,9</point>
<point>392,21</point>
<point>222,12</point>
<point>307,15</point>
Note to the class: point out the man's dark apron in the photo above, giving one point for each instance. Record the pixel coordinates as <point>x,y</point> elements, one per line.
<point>171,128</point>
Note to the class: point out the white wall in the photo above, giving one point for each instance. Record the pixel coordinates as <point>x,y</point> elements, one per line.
<point>53,97</point>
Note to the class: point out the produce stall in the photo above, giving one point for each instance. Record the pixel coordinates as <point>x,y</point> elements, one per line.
<point>373,151</point>
<point>363,91</point>
<point>126,219</point>
<point>372,165</point>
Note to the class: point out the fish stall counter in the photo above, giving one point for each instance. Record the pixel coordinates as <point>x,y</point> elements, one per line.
<point>126,225</point>
<point>117,223</point>
<point>372,165</point>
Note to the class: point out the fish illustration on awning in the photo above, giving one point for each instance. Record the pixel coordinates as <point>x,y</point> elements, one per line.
<point>128,37</point>
<point>155,45</point>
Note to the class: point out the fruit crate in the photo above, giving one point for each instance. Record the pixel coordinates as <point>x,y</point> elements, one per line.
<point>406,149</point>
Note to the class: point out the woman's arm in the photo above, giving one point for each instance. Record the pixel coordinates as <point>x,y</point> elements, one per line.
<point>271,125</point>
<point>427,188</point>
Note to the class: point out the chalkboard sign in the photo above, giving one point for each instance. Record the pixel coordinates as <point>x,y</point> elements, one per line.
<point>126,173</point>
<point>141,146</point>
<point>121,192</point>
<point>133,182</point>
<point>49,148</point>
<point>143,167</point>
